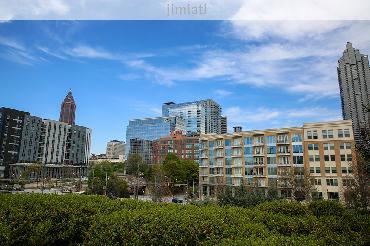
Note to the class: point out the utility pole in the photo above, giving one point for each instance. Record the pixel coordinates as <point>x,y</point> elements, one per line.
<point>193,187</point>
<point>92,182</point>
<point>106,183</point>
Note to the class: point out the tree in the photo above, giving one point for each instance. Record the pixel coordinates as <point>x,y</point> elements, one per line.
<point>117,187</point>
<point>180,171</point>
<point>159,186</point>
<point>135,165</point>
<point>356,191</point>
<point>103,180</point>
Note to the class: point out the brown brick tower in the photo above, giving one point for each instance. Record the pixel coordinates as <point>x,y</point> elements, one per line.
<point>68,109</point>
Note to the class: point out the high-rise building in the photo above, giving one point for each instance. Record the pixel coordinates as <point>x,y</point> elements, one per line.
<point>354,83</point>
<point>275,157</point>
<point>11,126</point>
<point>68,110</point>
<point>31,135</point>
<point>185,147</point>
<point>152,128</point>
<point>27,139</point>
<point>115,149</point>
<point>200,117</point>
<point>143,148</point>
<point>223,125</point>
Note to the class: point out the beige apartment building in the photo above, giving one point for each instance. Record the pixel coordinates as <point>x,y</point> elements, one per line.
<point>321,152</point>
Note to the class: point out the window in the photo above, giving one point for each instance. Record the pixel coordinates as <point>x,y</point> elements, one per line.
<point>228,171</point>
<point>327,133</point>
<point>329,157</point>
<point>270,139</point>
<point>347,157</point>
<point>330,170</point>
<point>343,133</point>
<point>328,146</point>
<point>312,134</point>
<point>237,141</point>
<point>271,160</point>
<point>313,147</point>
<point>248,171</point>
<point>258,161</point>
<point>272,171</point>
<point>247,150</point>
<point>271,149</point>
<point>227,142</point>
<point>345,146</point>
<point>297,159</point>
<point>297,149</point>
<point>248,160</point>
<point>314,158</point>
<point>332,182</point>
<point>297,137</point>
<point>317,181</point>
<point>315,170</point>
<point>346,170</point>
<point>258,140</point>
<point>248,141</point>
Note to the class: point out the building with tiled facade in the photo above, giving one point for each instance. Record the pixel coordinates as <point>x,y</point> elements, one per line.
<point>267,158</point>
<point>183,146</point>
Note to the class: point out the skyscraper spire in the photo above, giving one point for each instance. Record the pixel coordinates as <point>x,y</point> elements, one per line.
<point>68,109</point>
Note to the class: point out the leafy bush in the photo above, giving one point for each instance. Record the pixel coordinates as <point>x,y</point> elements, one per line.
<point>326,208</point>
<point>96,220</point>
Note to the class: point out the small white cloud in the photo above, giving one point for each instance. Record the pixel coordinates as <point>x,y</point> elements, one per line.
<point>90,52</point>
<point>222,93</point>
<point>51,53</point>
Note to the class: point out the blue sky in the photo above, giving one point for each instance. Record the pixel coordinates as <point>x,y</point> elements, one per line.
<point>264,74</point>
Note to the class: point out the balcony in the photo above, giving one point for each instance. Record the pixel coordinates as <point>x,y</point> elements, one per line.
<point>282,142</point>
<point>219,164</point>
<point>283,153</point>
<point>237,175</point>
<point>203,157</point>
<point>285,164</point>
<point>217,175</point>
<point>238,165</point>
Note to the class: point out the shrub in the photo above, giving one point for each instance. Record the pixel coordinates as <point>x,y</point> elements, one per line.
<point>326,208</point>
<point>97,220</point>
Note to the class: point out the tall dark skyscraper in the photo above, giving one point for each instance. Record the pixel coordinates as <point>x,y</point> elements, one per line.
<point>354,84</point>
<point>11,126</point>
<point>68,109</point>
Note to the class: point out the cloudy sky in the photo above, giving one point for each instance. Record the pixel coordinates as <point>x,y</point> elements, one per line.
<point>265,74</point>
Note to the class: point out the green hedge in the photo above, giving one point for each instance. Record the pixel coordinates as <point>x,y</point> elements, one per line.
<point>94,220</point>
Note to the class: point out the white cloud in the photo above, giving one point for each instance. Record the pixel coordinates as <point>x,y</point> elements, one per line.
<point>223,93</point>
<point>11,43</point>
<point>51,53</point>
<point>303,10</point>
<point>55,7</point>
<point>90,52</point>
<point>263,117</point>
<point>15,51</point>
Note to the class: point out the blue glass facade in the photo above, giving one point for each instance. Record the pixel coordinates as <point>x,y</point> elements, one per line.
<point>200,117</point>
<point>153,128</point>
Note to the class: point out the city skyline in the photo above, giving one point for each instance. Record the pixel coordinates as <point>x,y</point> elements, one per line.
<point>261,80</point>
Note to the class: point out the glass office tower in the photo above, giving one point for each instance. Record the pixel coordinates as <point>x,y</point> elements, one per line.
<point>152,128</point>
<point>200,117</point>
